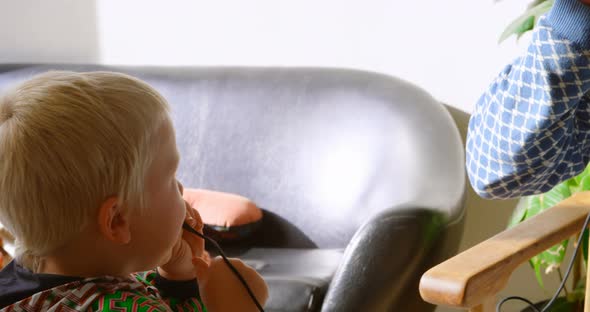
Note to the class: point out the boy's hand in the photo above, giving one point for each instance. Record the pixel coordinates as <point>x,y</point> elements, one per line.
<point>189,258</point>
<point>220,283</point>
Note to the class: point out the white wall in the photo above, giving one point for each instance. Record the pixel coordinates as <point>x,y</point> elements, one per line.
<point>447,47</point>
<point>48,31</point>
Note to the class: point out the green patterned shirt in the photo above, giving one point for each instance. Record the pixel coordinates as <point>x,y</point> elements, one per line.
<point>136,293</point>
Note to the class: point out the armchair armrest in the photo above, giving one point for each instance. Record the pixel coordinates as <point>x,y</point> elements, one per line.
<point>472,277</point>
<point>382,262</point>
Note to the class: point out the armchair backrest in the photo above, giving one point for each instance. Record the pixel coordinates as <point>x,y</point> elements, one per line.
<point>322,150</point>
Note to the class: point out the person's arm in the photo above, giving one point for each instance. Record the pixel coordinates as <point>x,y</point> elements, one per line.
<point>531,129</point>
<point>220,283</point>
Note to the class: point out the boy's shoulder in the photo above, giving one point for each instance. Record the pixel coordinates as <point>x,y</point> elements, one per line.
<point>17,283</point>
<point>94,294</point>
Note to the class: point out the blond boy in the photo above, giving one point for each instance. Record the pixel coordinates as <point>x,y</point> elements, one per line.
<point>88,188</point>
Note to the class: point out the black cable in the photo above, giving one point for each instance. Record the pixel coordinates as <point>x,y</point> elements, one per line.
<point>226,260</point>
<point>567,273</point>
<point>532,305</point>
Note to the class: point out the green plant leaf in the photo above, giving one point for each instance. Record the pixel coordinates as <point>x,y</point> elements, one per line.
<point>585,182</point>
<point>541,202</point>
<point>552,257</point>
<point>582,182</point>
<point>576,184</point>
<point>535,263</point>
<point>527,20</point>
<point>530,206</point>
<point>519,212</point>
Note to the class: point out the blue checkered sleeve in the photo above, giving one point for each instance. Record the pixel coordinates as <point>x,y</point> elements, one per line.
<point>531,129</point>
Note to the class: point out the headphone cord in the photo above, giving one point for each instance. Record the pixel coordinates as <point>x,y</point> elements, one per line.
<point>226,260</point>
<point>569,269</point>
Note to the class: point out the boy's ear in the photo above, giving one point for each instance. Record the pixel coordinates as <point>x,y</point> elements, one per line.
<point>113,223</point>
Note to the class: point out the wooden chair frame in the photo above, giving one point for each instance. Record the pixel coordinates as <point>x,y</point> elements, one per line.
<point>471,279</point>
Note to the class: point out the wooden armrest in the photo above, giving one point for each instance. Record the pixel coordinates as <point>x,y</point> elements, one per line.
<point>479,273</point>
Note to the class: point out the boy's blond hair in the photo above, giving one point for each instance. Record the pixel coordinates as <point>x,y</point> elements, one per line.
<point>68,141</point>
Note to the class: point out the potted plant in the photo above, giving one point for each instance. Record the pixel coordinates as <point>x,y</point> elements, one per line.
<point>549,261</point>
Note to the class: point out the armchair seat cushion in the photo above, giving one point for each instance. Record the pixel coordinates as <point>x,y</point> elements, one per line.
<point>297,278</point>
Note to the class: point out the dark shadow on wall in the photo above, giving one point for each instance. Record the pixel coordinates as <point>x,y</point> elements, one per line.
<point>461,119</point>
<point>57,31</point>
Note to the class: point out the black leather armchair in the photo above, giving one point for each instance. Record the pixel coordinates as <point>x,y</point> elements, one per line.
<point>360,175</point>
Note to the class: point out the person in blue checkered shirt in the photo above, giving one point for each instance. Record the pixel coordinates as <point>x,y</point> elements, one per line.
<point>531,129</point>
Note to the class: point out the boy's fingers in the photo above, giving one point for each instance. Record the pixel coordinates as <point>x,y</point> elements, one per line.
<point>196,243</point>
<point>201,269</point>
<point>193,218</point>
<point>207,257</point>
